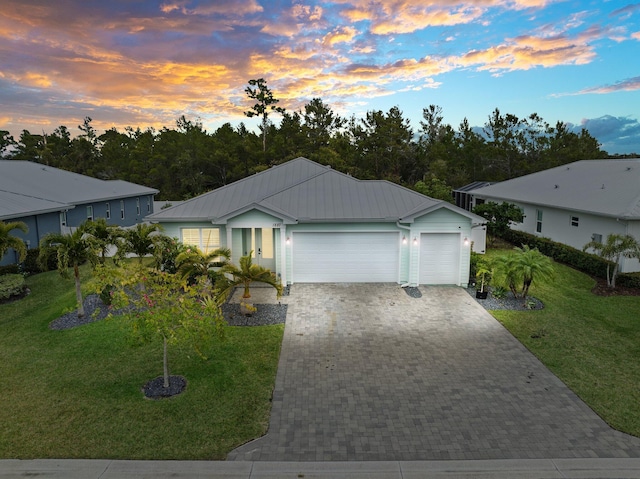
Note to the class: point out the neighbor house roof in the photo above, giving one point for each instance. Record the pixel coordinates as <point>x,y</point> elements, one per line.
<point>304,191</point>
<point>28,188</point>
<point>603,187</point>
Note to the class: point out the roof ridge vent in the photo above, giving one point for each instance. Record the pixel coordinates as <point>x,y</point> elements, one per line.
<point>556,187</point>
<point>602,187</point>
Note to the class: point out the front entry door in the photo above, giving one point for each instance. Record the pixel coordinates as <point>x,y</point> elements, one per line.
<point>261,242</point>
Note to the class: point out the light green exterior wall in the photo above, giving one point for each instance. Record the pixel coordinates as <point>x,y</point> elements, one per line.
<point>439,221</point>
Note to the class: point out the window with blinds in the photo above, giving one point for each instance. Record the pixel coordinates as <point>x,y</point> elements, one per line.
<point>205,239</point>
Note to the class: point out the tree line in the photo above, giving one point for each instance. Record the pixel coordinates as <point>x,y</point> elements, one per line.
<point>186,160</point>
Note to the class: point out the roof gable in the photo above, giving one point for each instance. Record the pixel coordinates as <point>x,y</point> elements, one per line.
<point>605,187</point>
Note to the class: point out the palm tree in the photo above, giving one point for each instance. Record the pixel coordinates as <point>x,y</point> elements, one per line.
<point>72,250</point>
<point>613,250</point>
<point>139,240</point>
<point>531,264</point>
<point>193,263</point>
<point>249,273</point>
<point>8,241</point>
<point>103,235</point>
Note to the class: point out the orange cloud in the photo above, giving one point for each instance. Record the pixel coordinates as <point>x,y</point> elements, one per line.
<point>636,35</point>
<point>340,35</point>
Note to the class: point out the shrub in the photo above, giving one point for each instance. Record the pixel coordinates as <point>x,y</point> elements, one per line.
<point>31,265</point>
<point>9,269</point>
<point>587,263</point>
<point>629,280</point>
<point>11,285</point>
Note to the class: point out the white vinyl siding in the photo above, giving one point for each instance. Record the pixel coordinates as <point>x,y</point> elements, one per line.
<point>341,257</point>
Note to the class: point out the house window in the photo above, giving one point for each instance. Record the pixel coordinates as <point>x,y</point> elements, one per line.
<point>63,218</point>
<point>137,206</point>
<point>538,221</point>
<point>575,220</point>
<point>108,214</point>
<point>90,213</point>
<point>122,209</point>
<point>148,204</point>
<point>205,239</point>
<point>596,237</point>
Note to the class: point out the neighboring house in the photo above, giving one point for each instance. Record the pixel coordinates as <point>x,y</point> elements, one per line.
<point>50,200</point>
<point>576,203</point>
<point>309,223</point>
<point>463,196</point>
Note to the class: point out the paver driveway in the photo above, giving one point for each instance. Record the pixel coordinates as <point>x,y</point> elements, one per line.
<point>368,373</point>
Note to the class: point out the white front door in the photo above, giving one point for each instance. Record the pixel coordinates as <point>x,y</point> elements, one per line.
<point>261,242</point>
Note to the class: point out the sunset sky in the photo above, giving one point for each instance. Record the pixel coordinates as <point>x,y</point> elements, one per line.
<point>145,63</point>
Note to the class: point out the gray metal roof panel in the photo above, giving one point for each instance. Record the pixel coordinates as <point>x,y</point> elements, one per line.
<point>605,187</point>
<point>53,184</point>
<point>14,205</point>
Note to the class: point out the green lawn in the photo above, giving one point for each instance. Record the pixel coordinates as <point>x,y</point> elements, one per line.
<point>592,343</point>
<point>76,393</point>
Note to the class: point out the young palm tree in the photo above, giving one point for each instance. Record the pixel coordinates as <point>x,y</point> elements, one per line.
<point>532,265</point>
<point>249,273</point>
<point>615,248</point>
<point>102,236</point>
<point>8,241</point>
<point>139,240</point>
<point>193,263</point>
<point>72,250</point>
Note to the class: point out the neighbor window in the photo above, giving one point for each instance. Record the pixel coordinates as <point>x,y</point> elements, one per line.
<point>63,218</point>
<point>121,209</point>
<point>90,213</point>
<point>108,214</point>
<point>205,239</point>
<point>596,237</point>
<point>575,220</point>
<point>137,206</point>
<point>538,221</point>
<point>148,204</point>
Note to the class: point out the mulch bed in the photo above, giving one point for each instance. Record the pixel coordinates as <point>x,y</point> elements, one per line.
<point>602,289</point>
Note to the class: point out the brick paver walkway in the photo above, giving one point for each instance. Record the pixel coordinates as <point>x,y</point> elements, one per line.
<point>368,373</point>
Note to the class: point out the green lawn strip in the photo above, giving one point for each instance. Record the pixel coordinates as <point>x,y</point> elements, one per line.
<point>591,343</point>
<point>77,393</point>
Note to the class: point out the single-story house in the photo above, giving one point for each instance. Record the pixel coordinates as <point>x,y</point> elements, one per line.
<point>50,200</point>
<point>309,223</point>
<point>576,203</point>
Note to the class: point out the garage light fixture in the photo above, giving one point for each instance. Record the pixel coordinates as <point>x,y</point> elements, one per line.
<point>288,240</point>
<point>466,241</point>
<point>404,239</point>
<point>415,240</point>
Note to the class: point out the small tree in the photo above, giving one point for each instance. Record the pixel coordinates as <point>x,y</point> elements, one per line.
<point>71,250</point>
<point>139,240</point>
<point>163,306</point>
<point>102,236</point>
<point>499,216</point>
<point>265,103</point>
<point>249,273</point>
<point>7,240</point>
<point>521,268</point>
<point>613,250</point>
<point>193,264</point>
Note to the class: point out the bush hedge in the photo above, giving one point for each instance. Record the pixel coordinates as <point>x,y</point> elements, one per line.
<point>588,263</point>
<point>11,285</point>
<point>9,269</point>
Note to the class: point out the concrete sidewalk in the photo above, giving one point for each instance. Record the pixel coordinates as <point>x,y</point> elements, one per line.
<point>494,469</point>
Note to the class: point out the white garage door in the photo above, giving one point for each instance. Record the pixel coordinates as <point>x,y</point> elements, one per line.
<point>440,258</point>
<point>345,257</point>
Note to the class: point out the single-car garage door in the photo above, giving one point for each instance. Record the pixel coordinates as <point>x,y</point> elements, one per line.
<point>440,258</point>
<point>345,257</point>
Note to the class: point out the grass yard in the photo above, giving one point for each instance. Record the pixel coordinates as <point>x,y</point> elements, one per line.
<point>590,342</point>
<point>76,393</point>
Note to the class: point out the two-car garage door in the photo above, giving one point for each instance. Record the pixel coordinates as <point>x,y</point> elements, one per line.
<point>345,257</point>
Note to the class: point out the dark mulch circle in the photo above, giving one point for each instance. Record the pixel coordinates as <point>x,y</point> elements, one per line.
<point>155,389</point>
<point>264,315</point>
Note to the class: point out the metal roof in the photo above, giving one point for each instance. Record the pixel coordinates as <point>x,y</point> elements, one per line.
<point>603,187</point>
<point>28,188</point>
<point>306,192</point>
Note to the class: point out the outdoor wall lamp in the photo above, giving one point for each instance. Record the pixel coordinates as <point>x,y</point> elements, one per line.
<point>288,240</point>
<point>415,240</point>
<point>466,241</point>
<point>404,239</point>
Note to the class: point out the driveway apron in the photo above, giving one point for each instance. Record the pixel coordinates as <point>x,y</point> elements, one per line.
<point>368,373</point>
